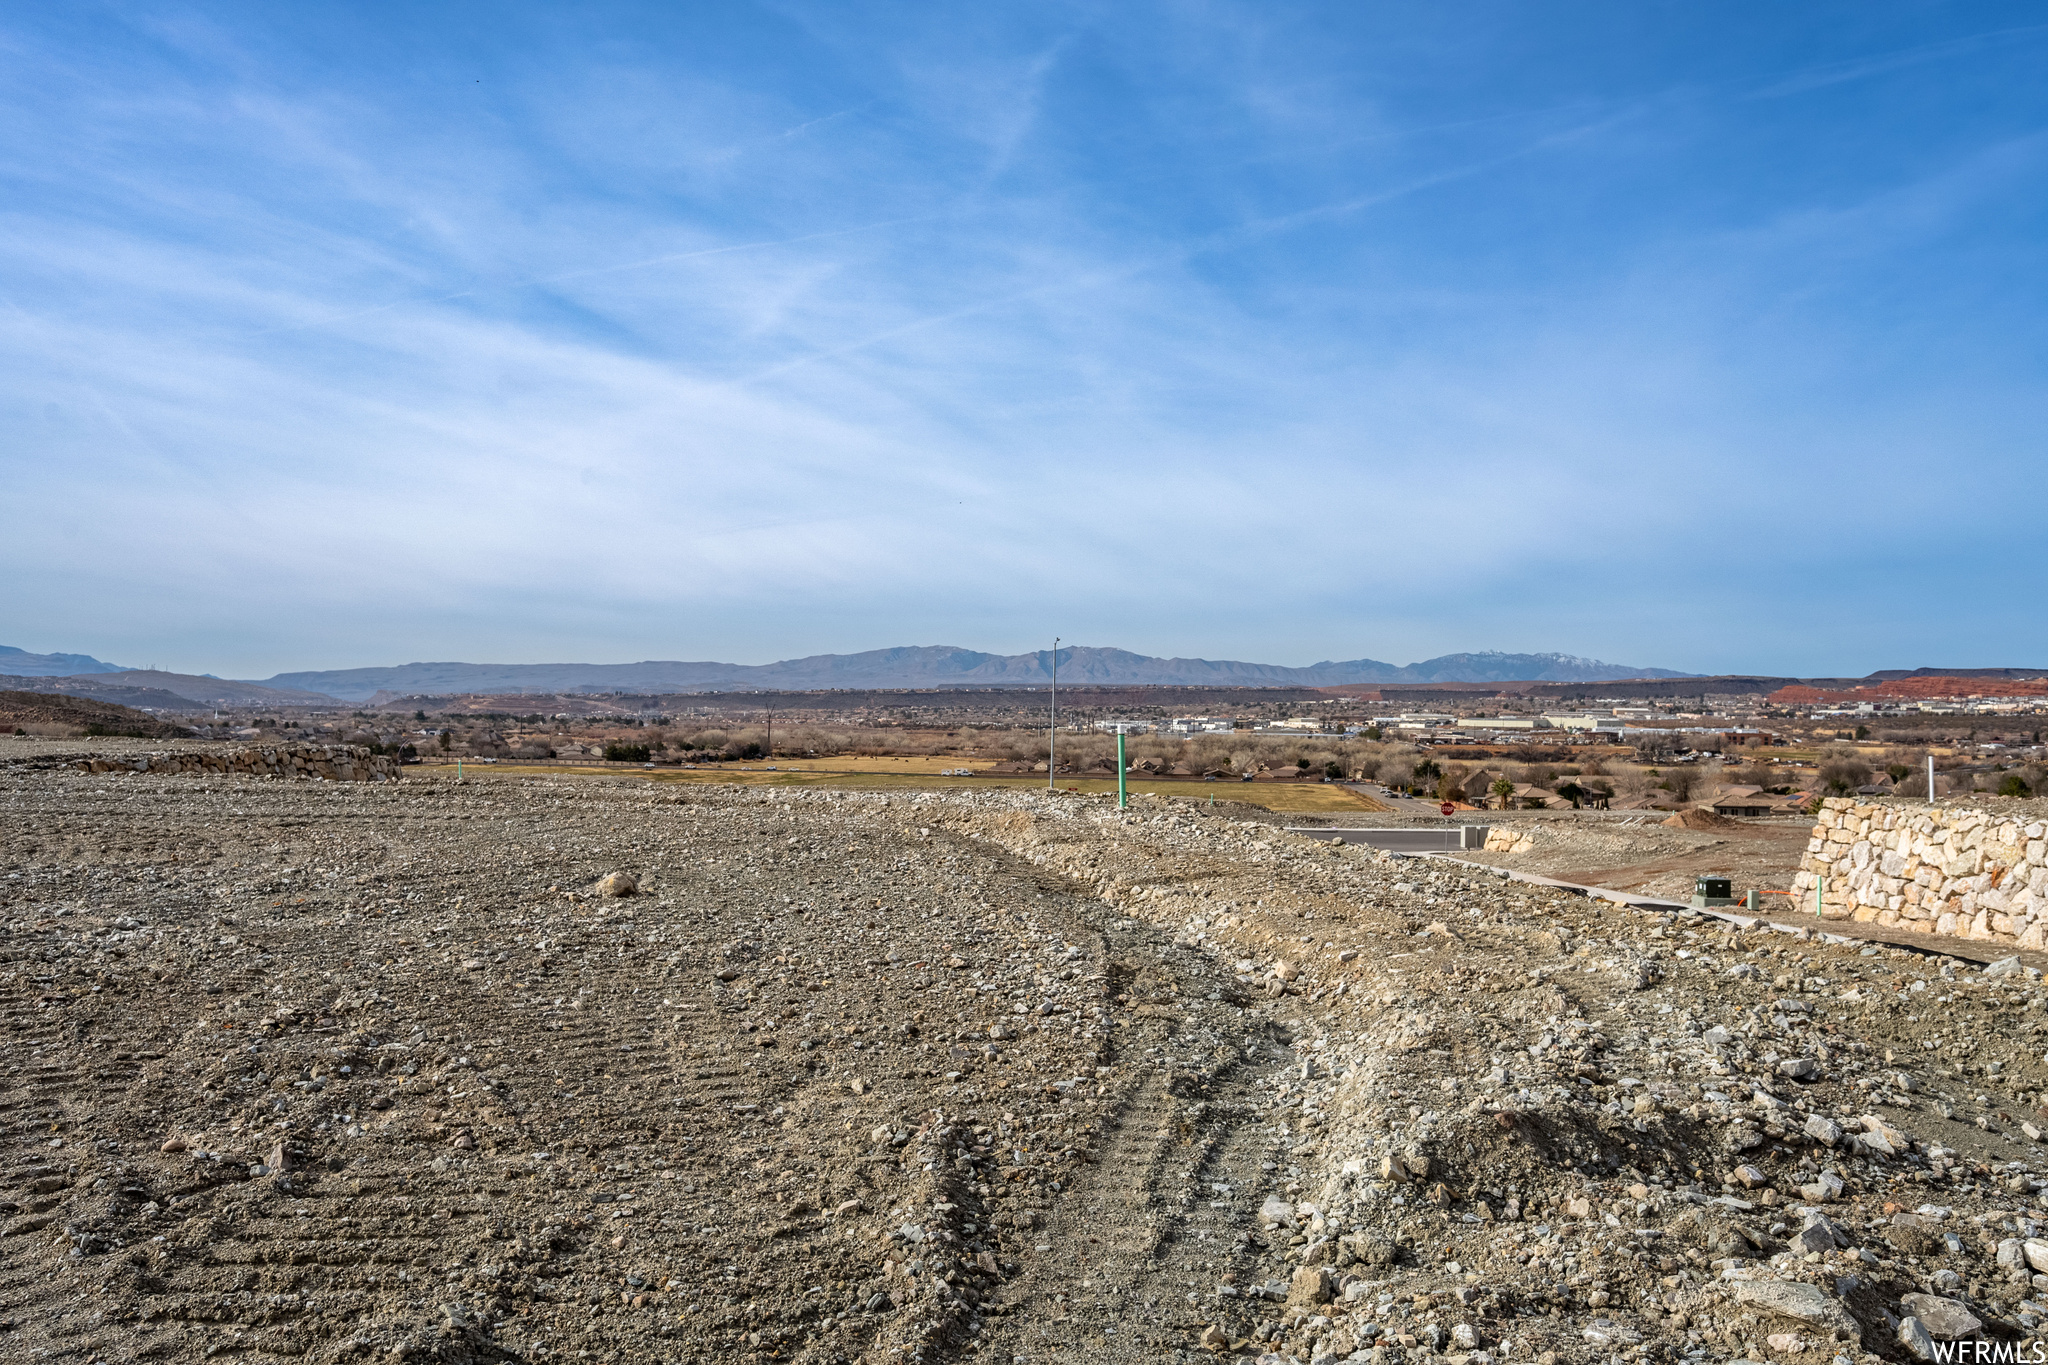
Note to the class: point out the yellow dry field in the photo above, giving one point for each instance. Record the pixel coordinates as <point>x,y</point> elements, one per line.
<point>1306,797</point>
<point>850,764</point>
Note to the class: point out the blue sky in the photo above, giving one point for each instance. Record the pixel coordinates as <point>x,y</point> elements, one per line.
<point>1707,337</point>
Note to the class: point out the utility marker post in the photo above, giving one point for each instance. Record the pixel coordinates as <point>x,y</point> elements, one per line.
<point>1930,779</point>
<point>1052,729</point>
<point>1122,801</point>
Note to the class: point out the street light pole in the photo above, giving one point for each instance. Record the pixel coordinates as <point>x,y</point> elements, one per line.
<point>1052,728</point>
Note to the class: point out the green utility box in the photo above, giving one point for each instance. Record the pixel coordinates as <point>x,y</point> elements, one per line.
<point>1712,891</point>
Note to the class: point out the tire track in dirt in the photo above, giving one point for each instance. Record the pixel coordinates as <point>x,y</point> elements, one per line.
<point>1126,1269</point>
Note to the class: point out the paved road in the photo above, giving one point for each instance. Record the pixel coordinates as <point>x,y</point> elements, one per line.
<point>1400,805</point>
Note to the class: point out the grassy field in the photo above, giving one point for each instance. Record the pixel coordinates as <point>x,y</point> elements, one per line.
<point>922,774</point>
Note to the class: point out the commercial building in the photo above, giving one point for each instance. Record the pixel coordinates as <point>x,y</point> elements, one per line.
<point>1613,725</point>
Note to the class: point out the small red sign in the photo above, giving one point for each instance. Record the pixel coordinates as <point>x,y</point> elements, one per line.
<point>1448,809</point>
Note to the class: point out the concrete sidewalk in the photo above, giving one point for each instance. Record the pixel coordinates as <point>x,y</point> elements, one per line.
<point>1828,931</point>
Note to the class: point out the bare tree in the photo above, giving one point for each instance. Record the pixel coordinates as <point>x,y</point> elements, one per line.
<point>1681,781</point>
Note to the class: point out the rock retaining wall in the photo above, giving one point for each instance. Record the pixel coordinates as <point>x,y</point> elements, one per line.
<point>1961,870</point>
<point>331,762</point>
<point>1502,840</point>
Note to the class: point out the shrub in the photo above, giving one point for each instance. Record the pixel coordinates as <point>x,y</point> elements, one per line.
<point>2014,785</point>
<point>1841,778</point>
<point>625,753</point>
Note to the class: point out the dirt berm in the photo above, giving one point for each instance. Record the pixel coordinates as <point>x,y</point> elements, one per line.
<point>306,1072</point>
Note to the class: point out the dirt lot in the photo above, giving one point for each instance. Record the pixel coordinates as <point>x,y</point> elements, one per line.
<point>1640,853</point>
<point>323,1073</point>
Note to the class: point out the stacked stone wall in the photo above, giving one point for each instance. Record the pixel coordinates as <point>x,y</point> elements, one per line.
<point>1501,839</point>
<point>1974,872</point>
<point>330,762</point>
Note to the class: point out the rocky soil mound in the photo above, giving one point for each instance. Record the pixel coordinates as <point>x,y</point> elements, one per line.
<point>55,713</point>
<point>1699,817</point>
<point>393,1072</point>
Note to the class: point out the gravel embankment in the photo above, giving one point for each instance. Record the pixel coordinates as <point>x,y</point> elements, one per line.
<point>322,1072</point>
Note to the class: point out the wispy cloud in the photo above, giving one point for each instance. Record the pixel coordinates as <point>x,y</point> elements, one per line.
<point>1201,331</point>
<point>1820,75</point>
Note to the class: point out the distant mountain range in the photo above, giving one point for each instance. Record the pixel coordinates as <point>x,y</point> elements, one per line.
<point>19,663</point>
<point>941,666</point>
<point>910,666</point>
<point>927,666</point>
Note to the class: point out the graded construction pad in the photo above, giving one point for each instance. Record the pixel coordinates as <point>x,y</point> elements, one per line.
<point>377,1072</point>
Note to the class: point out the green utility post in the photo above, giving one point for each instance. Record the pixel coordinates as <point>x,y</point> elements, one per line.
<point>1820,890</point>
<point>1122,801</point>
<point>1052,725</point>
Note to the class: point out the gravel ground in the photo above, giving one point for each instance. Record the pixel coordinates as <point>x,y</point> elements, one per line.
<point>318,1072</point>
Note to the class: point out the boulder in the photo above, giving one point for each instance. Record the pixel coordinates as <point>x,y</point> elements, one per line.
<point>1826,1188</point>
<point>1276,1212</point>
<point>1823,1129</point>
<point>1807,1303</point>
<point>1912,1235</point>
<point>1820,1234</point>
<point>1914,1338</point>
<point>1883,1138</point>
<point>1312,1285</point>
<point>1944,1319</point>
